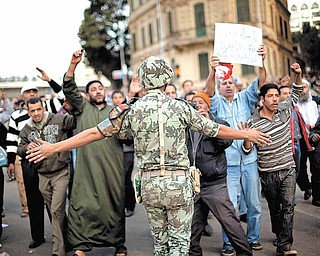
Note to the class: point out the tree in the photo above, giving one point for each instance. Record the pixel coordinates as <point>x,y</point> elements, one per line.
<point>309,41</point>
<point>103,32</point>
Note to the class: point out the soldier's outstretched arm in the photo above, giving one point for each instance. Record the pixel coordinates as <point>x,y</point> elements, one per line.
<point>252,135</point>
<point>45,149</point>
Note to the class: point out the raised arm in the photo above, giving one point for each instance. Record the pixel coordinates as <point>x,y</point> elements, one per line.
<point>75,60</point>
<point>46,149</point>
<point>262,73</point>
<point>211,80</point>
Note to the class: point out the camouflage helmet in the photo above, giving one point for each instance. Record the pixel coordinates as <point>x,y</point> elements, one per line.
<point>154,73</point>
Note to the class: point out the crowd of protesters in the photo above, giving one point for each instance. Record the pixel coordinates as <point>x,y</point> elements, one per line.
<point>97,179</point>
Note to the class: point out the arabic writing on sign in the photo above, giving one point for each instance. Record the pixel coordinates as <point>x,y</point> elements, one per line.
<point>237,43</point>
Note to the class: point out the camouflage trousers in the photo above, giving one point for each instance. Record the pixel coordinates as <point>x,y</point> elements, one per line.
<point>168,202</point>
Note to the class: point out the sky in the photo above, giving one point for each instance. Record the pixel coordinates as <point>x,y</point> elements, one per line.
<point>39,33</point>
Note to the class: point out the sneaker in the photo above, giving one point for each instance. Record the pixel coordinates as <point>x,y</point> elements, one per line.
<point>256,246</point>
<point>227,251</point>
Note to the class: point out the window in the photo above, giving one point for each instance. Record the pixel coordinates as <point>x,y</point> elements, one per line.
<point>204,65</point>
<point>132,5</point>
<point>150,34</point>
<point>304,7</point>
<point>294,8</point>
<point>134,43</point>
<point>271,16</point>
<point>243,10</point>
<point>286,29</point>
<point>247,69</point>
<point>281,28</point>
<point>200,20</point>
<point>143,38</point>
<point>315,6</point>
<point>140,1</point>
<point>170,23</point>
<point>316,14</point>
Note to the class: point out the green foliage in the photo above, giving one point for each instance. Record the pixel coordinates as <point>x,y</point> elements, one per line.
<point>309,41</point>
<point>103,31</point>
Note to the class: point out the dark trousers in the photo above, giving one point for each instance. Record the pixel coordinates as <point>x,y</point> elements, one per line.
<point>279,189</point>
<point>216,199</point>
<point>130,200</point>
<point>1,198</point>
<point>35,204</point>
<point>303,180</point>
<point>315,171</point>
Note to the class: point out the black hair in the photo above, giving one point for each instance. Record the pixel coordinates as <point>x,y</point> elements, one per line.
<point>90,83</point>
<point>266,87</point>
<point>282,87</point>
<point>116,91</point>
<point>170,84</point>
<point>189,93</point>
<point>186,81</point>
<point>34,100</point>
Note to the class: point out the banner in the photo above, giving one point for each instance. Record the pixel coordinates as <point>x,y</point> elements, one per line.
<point>237,43</point>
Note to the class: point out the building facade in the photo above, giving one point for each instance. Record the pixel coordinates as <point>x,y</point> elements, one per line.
<point>182,32</point>
<point>304,12</point>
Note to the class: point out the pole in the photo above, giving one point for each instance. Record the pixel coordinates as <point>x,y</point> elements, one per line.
<point>159,23</point>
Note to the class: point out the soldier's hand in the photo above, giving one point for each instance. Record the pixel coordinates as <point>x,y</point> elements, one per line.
<point>44,76</point>
<point>76,56</point>
<point>257,137</point>
<point>295,68</point>
<point>42,151</point>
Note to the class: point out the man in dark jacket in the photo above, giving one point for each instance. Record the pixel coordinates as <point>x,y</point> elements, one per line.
<point>208,154</point>
<point>53,172</point>
<point>314,138</point>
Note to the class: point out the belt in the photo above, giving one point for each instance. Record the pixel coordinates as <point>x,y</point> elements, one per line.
<point>166,173</point>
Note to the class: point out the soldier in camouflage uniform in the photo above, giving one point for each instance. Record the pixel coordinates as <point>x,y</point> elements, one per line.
<point>167,195</point>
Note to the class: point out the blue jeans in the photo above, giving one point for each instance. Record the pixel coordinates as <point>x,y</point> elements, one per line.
<point>246,176</point>
<point>279,188</point>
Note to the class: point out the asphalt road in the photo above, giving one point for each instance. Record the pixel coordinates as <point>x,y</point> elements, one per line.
<point>16,237</point>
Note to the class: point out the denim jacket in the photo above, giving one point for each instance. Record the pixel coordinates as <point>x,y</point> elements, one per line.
<point>241,108</point>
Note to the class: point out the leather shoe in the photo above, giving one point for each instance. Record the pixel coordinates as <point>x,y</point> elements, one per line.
<point>35,244</point>
<point>316,202</point>
<point>307,194</point>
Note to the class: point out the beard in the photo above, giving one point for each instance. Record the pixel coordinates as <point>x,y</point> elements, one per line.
<point>98,102</point>
<point>304,98</point>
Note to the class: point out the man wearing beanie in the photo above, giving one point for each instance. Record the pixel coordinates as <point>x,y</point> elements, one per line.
<point>208,155</point>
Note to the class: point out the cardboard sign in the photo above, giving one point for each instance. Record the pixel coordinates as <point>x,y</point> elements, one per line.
<point>237,43</point>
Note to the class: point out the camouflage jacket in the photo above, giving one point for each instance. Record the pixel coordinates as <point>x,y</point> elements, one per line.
<point>178,116</point>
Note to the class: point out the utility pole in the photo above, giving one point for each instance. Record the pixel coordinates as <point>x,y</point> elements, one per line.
<point>159,23</point>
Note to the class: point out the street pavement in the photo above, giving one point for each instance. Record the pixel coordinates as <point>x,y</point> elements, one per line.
<point>16,237</point>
